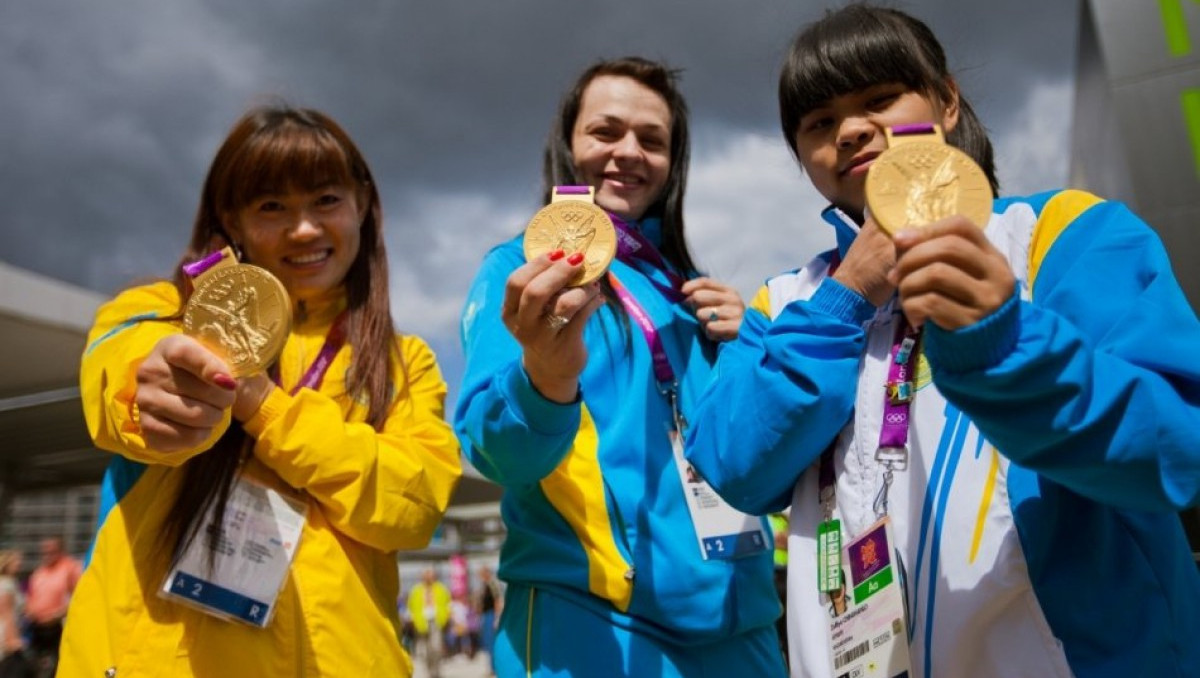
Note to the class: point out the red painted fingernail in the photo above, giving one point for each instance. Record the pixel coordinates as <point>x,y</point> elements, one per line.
<point>575,259</point>
<point>556,255</point>
<point>225,381</point>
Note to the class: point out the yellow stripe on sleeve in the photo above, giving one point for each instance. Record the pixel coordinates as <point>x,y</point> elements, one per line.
<point>1058,213</point>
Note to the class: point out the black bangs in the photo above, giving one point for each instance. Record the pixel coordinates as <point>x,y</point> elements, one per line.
<point>847,52</point>
<point>286,157</point>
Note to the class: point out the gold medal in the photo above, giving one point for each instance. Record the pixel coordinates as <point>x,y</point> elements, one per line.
<point>241,312</point>
<point>574,224</point>
<point>920,179</point>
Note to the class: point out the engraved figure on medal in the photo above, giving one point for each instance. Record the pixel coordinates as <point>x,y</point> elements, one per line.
<point>242,312</point>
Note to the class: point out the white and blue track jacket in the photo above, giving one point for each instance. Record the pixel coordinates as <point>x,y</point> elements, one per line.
<point>1051,446</point>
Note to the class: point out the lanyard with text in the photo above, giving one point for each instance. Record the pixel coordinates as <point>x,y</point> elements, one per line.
<point>634,247</point>
<point>316,371</point>
<point>892,453</point>
<point>722,531</point>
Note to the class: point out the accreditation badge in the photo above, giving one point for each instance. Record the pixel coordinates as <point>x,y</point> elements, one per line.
<point>723,531</point>
<point>868,634</point>
<point>235,571</point>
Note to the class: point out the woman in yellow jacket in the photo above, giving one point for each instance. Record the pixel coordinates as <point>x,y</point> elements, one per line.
<point>250,525</point>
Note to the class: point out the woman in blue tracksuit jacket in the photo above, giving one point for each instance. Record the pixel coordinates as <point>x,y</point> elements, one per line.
<point>565,404</point>
<point>1055,430</point>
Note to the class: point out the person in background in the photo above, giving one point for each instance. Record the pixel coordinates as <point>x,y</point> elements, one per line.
<point>574,400</point>
<point>1012,406</point>
<point>489,603</point>
<point>14,663</point>
<point>340,442</point>
<point>429,607</point>
<point>51,585</point>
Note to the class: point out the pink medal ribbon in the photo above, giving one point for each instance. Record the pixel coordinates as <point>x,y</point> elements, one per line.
<point>315,375</point>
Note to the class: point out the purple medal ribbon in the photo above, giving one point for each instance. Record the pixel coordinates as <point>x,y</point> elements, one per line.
<point>633,247</point>
<point>914,128</point>
<point>197,267</point>
<point>315,374</point>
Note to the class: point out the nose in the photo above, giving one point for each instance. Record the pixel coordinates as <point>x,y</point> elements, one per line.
<point>307,226</point>
<point>854,131</point>
<point>627,146</point>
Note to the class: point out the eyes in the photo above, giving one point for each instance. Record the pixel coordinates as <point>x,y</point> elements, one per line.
<point>325,200</point>
<point>652,140</point>
<point>872,100</point>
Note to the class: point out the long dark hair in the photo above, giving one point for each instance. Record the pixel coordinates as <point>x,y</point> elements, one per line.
<point>558,161</point>
<point>272,149</point>
<point>859,46</point>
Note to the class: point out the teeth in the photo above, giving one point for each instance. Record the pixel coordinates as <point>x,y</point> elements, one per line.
<point>309,258</point>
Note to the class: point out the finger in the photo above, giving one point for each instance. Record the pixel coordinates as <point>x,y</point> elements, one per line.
<point>182,408</point>
<point>952,249</point>
<point>722,330</point>
<point>520,278</point>
<point>953,225</point>
<point>574,329</point>
<point>694,285</point>
<point>168,436</point>
<point>191,356</point>
<point>537,294</point>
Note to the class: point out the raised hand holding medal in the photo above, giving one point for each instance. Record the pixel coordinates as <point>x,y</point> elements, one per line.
<point>935,201</point>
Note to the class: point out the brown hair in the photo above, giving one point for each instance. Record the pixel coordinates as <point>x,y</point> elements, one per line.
<point>274,149</point>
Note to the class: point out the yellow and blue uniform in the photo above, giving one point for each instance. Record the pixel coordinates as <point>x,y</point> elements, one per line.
<point>601,558</point>
<point>368,494</point>
<point>1051,446</point>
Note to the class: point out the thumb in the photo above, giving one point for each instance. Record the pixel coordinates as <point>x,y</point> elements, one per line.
<point>189,354</point>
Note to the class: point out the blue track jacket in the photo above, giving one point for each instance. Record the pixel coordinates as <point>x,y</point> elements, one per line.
<point>593,502</point>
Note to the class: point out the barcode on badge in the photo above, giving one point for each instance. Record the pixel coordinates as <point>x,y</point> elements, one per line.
<point>851,654</point>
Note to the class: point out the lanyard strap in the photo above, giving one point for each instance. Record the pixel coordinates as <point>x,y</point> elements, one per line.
<point>892,451</point>
<point>634,247</point>
<point>664,376</point>
<point>315,374</point>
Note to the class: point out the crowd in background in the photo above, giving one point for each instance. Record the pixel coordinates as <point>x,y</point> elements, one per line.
<point>32,609</point>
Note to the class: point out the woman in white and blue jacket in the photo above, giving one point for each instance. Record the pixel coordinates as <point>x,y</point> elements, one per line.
<point>565,404</point>
<point>1055,429</point>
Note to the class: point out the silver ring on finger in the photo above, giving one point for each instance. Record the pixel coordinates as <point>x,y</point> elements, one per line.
<point>556,322</point>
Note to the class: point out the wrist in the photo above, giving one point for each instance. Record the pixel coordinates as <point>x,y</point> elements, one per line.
<point>252,392</point>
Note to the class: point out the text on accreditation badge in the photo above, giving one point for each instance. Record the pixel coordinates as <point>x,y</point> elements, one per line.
<point>234,568</point>
<point>723,531</point>
<point>868,628</point>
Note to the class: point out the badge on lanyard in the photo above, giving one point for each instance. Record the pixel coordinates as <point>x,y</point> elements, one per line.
<point>868,634</point>
<point>723,531</point>
<point>236,570</point>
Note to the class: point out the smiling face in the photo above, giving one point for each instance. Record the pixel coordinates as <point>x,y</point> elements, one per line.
<point>837,141</point>
<point>307,239</point>
<point>621,144</point>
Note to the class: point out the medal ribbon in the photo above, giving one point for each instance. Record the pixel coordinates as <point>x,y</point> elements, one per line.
<point>315,375</point>
<point>197,267</point>
<point>634,247</point>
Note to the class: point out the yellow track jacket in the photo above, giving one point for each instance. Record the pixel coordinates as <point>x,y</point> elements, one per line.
<point>369,494</point>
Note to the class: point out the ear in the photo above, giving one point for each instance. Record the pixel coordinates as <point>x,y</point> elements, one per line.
<point>950,107</point>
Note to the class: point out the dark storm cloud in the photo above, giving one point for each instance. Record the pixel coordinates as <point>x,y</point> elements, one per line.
<point>111,111</point>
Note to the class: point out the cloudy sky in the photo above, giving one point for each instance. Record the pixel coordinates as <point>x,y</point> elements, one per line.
<point>111,112</point>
